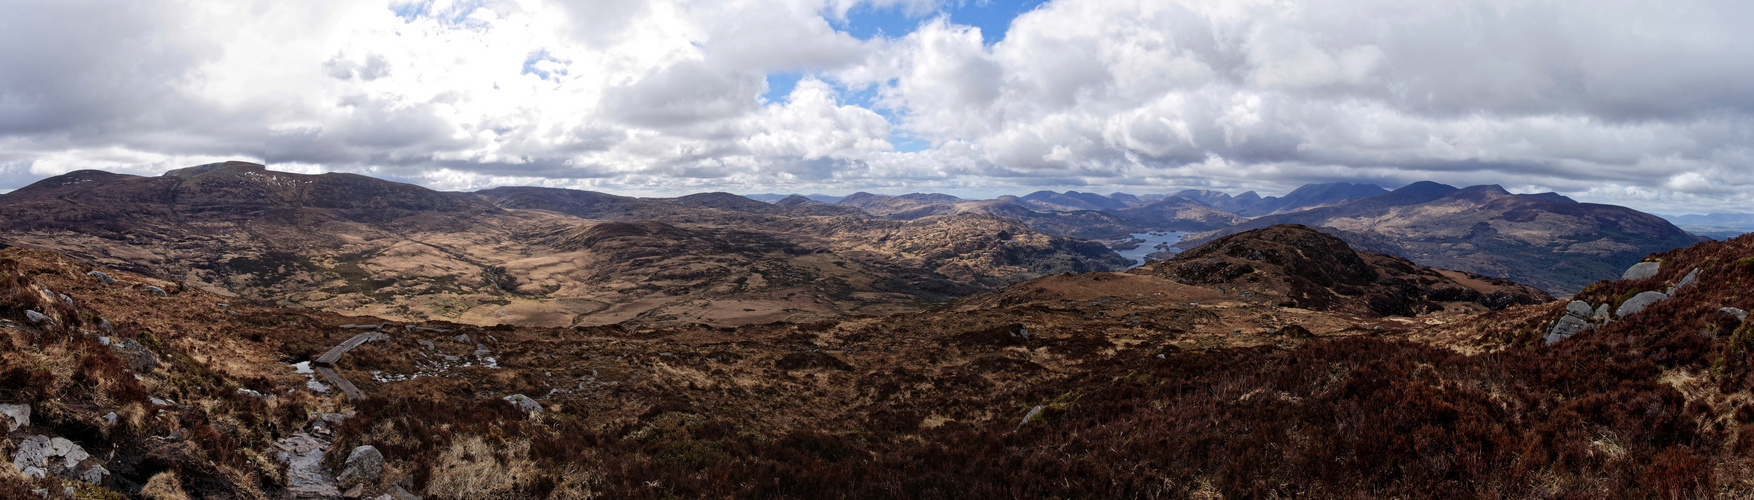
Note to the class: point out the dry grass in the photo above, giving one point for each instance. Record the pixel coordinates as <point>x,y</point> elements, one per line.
<point>471,468</point>
<point>164,486</point>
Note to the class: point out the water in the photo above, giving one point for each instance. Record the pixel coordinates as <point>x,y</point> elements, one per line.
<point>1137,254</point>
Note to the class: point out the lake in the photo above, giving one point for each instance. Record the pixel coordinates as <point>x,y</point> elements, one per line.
<point>1150,245</point>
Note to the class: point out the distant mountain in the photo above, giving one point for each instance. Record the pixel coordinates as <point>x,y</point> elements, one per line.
<point>1250,204</point>
<point>772,198</point>
<point>523,255</point>
<point>1176,214</point>
<point>1717,226</point>
<point>1548,241</point>
<point>1070,201</point>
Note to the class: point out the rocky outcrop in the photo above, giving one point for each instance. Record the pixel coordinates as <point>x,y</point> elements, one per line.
<point>16,416</point>
<point>1578,317</point>
<point>102,277</point>
<point>1641,270</point>
<point>1639,302</point>
<point>363,465</point>
<point>524,403</point>
<point>40,456</point>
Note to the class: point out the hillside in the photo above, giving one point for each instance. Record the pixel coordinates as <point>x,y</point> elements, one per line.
<point>527,256</point>
<point>1547,240</point>
<point>1142,385</point>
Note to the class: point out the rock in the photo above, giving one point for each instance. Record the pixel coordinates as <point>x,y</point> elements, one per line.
<point>35,473</point>
<point>461,339</point>
<point>105,324</point>
<point>364,464</point>
<point>110,417</point>
<point>481,351</point>
<point>1639,302</point>
<point>137,356</point>
<point>1602,312</point>
<point>157,291</point>
<point>1579,309</point>
<point>356,491</point>
<point>37,317</point>
<point>101,277</point>
<point>67,300</point>
<point>16,416</point>
<point>428,345</point>
<point>524,403</point>
<point>1691,278</point>
<point>303,456</point>
<point>452,358</point>
<point>40,452</point>
<point>48,294</point>
<point>94,475</point>
<point>1641,270</point>
<point>401,493</point>
<point>70,452</point>
<point>1738,313</point>
<point>1567,326</point>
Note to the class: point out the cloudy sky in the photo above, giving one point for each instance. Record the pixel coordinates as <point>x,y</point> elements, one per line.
<point>1648,104</point>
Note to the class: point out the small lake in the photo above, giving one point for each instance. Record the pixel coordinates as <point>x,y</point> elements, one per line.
<point>1150,245</point>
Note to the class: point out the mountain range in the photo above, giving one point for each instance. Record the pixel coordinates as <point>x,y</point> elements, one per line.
<point>533,256</point>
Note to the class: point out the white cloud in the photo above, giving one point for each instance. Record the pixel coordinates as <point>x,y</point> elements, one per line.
<point>1621,101</point>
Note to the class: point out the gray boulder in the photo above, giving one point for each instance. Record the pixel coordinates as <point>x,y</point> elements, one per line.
<point>101,277</point>
<point>1738,313</point>
<point>524,403</point>
<point>16,416</point>
<point>1576,319</point>
<point>67,300</point>
<point>1642,270</point>
<point>1602,313</point>
<point>45,453</point>
<point>137,356</point>
<point>364,464</point>
<point>94,475</point>
<point>462,339</point>
<point>157,291</point>
<point>428,345</point>
<point>37,317</point>
<point>1639,302</point>
<point>1691,278</point>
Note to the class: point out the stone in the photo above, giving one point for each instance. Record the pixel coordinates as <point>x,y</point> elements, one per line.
<point>303,456</point>
<point>105,324</point>
<point>110,417</point>
<point>1642,270</point>
<point>67,300</point>
<point>481,351</point>
<point>94,475</point>
<point>524,403</point>
<point>35,473</point>
<point>1738,313</point>
<point>428,345</point>
<point>16,416</point>
<point>1639,302</point>
<point>1691,278</point>
<point>37,317</point>
<point>1579,309</point>
<point>1567,326</point>
<point>364,464</point>
<point>1602,312</point>
<point>157,291</point>
<point>101,277</point>
<point>461,339</point>
<point>356,491</point>
<point>401,493</point>
<point>137,356</point>
<point>48,294</point>
<point>70,452</point>
<point>452,358</point>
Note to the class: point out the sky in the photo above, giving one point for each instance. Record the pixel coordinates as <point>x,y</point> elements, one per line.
<point>1648,104</point>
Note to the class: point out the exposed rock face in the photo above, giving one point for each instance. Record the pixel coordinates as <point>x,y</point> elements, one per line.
<point>16,416</point>
<point>137,356</point>
<point>364,464</point>
<point>102,278</point>
<point>37,317</point>
<point>157,291</point>
<point>1639,302</point>
<point>38,456</point>
<point>1642,270</point>
<point>303,456</point>
<point>1579,316</point>
<point>524,403</point>
<point>1313,270</point>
